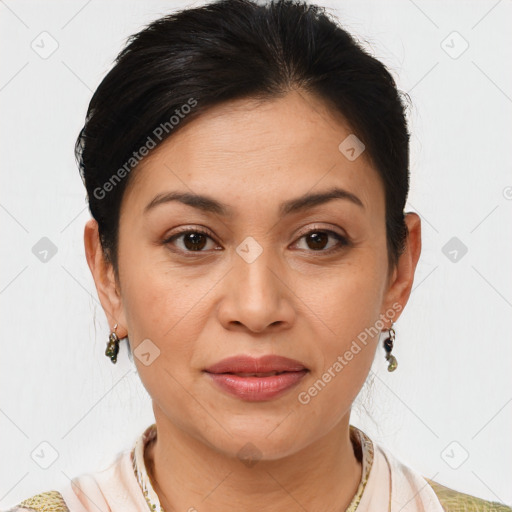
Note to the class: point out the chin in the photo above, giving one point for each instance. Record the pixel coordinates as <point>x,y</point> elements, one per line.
<point>259,441</point>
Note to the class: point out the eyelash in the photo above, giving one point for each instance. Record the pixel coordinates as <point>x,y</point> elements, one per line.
<point>342,240</point>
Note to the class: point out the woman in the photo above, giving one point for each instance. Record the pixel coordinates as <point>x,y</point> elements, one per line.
<point>247,171</point>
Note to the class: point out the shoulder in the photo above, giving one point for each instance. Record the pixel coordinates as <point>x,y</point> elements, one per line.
<point>81,494</point>
<point>50,501</point>
<point>115,487</point>
<point>455,501</point>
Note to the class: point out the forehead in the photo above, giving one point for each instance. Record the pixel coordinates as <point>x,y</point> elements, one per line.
<point>254,152</point>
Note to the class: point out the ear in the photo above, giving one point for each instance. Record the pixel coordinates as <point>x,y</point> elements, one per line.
<point>400,284</point>
<point>104,278</point>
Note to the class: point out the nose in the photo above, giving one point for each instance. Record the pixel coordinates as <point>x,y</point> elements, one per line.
<point>256,297</point>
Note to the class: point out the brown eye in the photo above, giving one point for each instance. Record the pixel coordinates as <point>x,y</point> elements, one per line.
<point>192,240</point>
<point>318,240</point>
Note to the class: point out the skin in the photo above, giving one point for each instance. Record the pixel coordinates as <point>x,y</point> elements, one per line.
<point>293,300</point>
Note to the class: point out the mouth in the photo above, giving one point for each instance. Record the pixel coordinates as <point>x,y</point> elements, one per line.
<point>248,366</point>
<point>256,380</point>
<point>256,386</point>
<point>266,374</point>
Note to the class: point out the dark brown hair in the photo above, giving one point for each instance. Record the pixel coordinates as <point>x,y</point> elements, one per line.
<point>186,62</point>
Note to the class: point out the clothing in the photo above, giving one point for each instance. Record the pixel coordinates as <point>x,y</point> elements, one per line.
<point>387,485</point>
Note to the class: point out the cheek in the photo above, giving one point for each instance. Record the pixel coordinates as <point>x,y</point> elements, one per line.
<point>330,395</point>
<point>168,307</point>
<point>346,342</point>
<point>349,299</point>
<point>159,308</point>
<point>348,334</point>
<point>152,296</point>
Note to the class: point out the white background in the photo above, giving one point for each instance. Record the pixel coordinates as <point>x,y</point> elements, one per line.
<point>453,344</point>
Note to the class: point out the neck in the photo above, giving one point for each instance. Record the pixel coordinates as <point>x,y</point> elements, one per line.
<point>189,475</point>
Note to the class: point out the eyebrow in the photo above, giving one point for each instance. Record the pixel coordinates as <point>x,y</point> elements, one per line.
<point>208,204</point>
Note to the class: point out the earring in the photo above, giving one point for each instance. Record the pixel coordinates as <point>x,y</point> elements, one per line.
<point>388,346</point>
<point>112,346</point>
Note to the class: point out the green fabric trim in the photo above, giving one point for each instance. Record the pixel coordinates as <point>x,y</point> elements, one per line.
<point>51,501</point>
<point>455,501</point>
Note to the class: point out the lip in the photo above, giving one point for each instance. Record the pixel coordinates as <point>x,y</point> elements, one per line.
<point>248,364</point>
<point>230,375</point>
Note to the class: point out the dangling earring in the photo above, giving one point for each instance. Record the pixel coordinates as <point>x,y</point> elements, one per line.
<point>112,346</point>
<point>388,346</point>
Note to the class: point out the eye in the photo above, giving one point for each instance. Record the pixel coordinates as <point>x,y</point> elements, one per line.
<point>196,240</point>
<point>193,240</point>
<point>318,239</point>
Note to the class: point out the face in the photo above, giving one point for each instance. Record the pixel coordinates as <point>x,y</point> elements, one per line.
<point>261,273</point>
